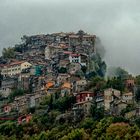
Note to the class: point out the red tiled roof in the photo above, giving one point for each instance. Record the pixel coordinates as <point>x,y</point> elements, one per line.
<point>2,65</point>
<point>75,54</point>
<point>67,52</point>
<point>16,63</point>
<point>66,85</point>
<point>13,63</point>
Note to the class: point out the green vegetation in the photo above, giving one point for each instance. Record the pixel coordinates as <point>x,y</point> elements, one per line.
<point>62,70</point>
<point>15,93</point>
<point>117,72</point>
<point>8,53</point>
<point>44,126</point>
<point>127,109</point>
<point>116,83</point>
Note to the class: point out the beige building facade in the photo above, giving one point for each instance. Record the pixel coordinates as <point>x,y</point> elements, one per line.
<point>15,68</point>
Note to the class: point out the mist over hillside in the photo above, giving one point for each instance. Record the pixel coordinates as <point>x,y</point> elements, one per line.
<point>116,23</point>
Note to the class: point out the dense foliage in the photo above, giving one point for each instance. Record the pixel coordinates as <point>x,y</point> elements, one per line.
<point>88,129</point>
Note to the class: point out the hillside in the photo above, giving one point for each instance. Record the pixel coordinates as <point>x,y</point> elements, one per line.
<point>53,87</point>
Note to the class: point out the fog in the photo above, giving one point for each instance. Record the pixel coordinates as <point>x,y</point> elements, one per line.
<point>116,22</point>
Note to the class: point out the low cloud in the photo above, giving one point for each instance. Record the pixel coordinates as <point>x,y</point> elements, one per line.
<point>116,22</point>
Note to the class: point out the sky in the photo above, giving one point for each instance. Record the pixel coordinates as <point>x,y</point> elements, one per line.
<point>115,22</point>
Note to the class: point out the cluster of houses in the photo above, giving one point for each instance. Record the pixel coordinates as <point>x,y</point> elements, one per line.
<point>113,101</point>
<point>44,64</point>
<point>56,62</point>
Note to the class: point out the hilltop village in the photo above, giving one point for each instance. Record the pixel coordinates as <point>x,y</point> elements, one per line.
<point>44,65</point>
<point>62,72</point>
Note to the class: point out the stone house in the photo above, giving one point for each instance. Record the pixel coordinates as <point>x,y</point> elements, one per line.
<point>81,85</point>
<point>138,111</point>
<point>85,106</point>
<point>73,67</point>
<point>109,97</point>
<point>63,63</point>
<point>130,114</point>
<point>128,97</point>
<point>8,85</point>
<point>36,98</point>
<point>117,106</point>
<point>24,81</point>
<point>51,76</point>
<point>74,39</point>
<point>63,78</point>
<point>36,50</point>
<point>81,38</point>
<point>52,50</point>
<point>130,83</point>
<point>21,103</point>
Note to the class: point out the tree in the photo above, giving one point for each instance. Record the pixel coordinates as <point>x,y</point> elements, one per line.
<point>87,123</point>
<point>117,72</point>
<point>119,119</point>
<point>8,128</point>
<point>79,73</point>
<point>42,136</point>
<point>18,48</point>
<point>26,39</point>
<point>118,131</point>
<point>137,88</point>
<point>76,134</point>
<point>62,70</point>
<point>97,113</point>
<point>16,92</point>
<point>137,121</point>
<point>84,69</point>
<point>64,103</point>
<point>137,80</point>
<point>101,128</point>
<point>8,53</point>
<point>98,83</point>
<point>116,83</point>
<point>127,109</point>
